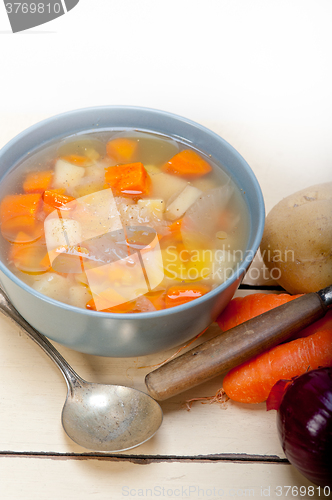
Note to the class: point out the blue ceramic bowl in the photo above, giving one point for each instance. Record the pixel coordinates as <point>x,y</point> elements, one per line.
<point>124,335</point>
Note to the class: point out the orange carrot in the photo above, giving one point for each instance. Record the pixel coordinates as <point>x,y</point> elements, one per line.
<point>187,163</point>
<point>123,308</point>
<point>322,324</point>
<point>68,259</point>
<point>122,149</point>
<point>77,160</point>
<point>157,298</point>
<point>252,381</point>
<point>28,258</point>
<point>37,182</point>
<point>242,309</point>
<point>45,262</point>
<point>130,179</point>
<point>54,198</point>
<point>22,229</point>
<point>15,205</point>
<point>181,294</point>
<point>175,226</point>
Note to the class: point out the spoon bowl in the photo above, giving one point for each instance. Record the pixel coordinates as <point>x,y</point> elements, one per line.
<point>99,417</point>
<point>109,417</point>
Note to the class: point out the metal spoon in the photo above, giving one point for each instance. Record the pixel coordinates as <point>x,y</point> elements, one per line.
<point>99,417</point>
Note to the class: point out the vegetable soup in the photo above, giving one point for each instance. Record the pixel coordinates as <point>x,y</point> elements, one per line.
<point>122,222</point>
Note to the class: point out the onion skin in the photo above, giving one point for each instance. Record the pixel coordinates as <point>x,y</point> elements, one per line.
<point>304,423</point>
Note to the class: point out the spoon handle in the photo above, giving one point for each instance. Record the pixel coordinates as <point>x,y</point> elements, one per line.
<point>239,344</point>
<point>69,374</point>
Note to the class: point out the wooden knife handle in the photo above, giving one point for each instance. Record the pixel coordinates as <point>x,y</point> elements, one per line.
<point>233,347</point>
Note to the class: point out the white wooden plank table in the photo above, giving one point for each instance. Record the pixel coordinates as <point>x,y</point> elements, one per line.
<point>211,451</point>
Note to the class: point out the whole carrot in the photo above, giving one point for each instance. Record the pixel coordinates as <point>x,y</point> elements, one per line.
<point>242,309</point>
<point>252,381</point>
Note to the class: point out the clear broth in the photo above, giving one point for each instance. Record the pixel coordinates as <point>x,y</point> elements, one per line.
<point>187,255</point>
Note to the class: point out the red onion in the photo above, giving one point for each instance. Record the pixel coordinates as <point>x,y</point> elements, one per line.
<point>304,422</point>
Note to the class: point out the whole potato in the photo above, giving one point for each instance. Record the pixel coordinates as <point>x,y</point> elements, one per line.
<point>297,240</point>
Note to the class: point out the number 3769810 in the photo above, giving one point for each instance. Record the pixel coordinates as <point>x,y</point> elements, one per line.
<point>33,8</point>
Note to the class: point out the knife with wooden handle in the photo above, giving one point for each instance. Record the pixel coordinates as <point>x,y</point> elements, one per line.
<point>237,345</point>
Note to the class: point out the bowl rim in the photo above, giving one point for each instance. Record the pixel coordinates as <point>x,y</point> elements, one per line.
<point>242,267</point>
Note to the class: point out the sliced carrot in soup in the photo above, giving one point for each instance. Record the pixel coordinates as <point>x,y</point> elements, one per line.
<point>157,298</point>
<point>123,308</point>
<point>129,179</point>
<point>15,205</point>
<point>37,182</point>
<point>79,160</point>
<point>187,163</point>
<point>22,229</point>
<point>181,294</point>
<point>54,198</point>
<point>122,149</point>
<point>29,258</point>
